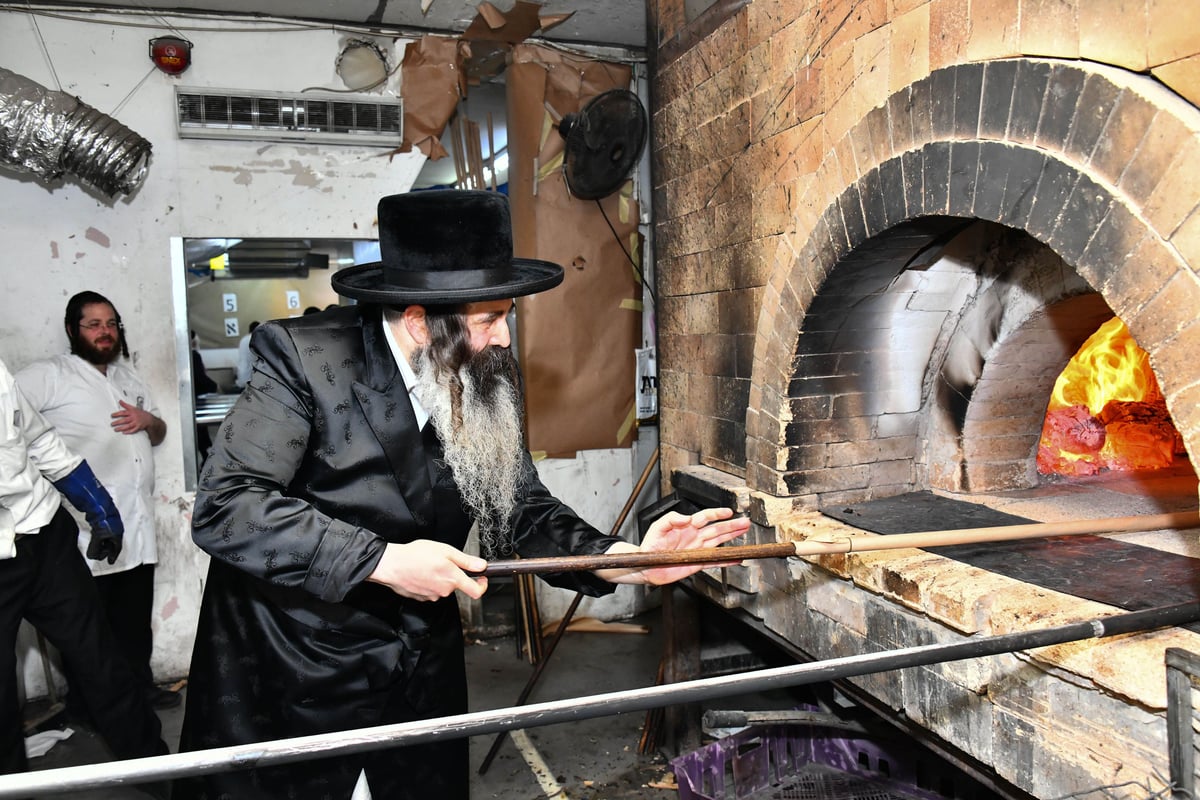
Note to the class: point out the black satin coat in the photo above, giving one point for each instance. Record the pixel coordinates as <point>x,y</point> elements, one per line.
<point>320,464</point>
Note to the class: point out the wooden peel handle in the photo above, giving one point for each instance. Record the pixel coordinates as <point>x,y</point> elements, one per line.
<point>831,544</point>
<point>709,555</point>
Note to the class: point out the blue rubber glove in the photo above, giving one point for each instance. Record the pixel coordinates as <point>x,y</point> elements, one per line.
<point>87,494</point>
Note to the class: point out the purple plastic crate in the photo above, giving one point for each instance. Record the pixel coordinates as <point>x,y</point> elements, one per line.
<point>763,762</point>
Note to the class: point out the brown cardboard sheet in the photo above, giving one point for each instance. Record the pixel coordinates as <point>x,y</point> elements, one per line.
<point>577,341</point>
<point>432,80</point>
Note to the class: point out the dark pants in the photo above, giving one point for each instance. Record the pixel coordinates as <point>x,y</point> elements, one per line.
<point>49,585</point>
<point>127,599</point>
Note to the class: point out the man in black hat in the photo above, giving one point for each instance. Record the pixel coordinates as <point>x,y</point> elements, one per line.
<point>339,494</point>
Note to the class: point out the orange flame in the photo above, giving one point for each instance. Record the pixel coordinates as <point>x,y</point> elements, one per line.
<point>1109,366</point>
<point>1107,411</point>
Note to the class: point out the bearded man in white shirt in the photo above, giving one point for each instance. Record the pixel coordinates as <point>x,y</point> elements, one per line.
<point>43,580</point>
<point>104,411</point>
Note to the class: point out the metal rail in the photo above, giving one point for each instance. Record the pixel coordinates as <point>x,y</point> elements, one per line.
<point>304,748</point>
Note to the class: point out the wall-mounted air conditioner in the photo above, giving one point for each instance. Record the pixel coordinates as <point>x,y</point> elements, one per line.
<point>283,117</point>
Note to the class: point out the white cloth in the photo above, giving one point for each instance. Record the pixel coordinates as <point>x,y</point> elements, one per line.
<point>406,372</point>
<point>245,362</point>
<point>40,743</point>
<point>31,455</point>
<point>79,401</point>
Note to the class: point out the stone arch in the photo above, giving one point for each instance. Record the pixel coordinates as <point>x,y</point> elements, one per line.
<point>1069,152</point>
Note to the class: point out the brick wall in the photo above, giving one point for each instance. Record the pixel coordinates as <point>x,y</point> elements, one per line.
<point>792,133</point>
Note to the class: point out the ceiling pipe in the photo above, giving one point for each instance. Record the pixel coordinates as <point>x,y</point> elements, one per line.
<point>48,133</point>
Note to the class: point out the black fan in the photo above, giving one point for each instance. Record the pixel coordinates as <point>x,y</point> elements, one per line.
<point>603,142</point>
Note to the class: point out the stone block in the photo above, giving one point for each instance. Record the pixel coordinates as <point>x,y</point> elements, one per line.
<point>1053,189</point>
<point>1014,736</point>
<point>1029,92</point>
<point>810,96</point>
<point>941,104</point>
<point>1114,33</point>
<point>1020,189</point>
<point>949,711</point>
<point>909,47</point>
<point>891,190</point>
<point>837,600</point>
<point>994,32</point>
<point>968,95</point>
<point>769,510</point>
<point>935,159</point>
<point>1049,28</point>
<point>1084,210</point>
<point>1187,238</point>
<point>1096,103</point>
<point>949,26</point>
<point>1168,312</point>
<point>912,164</point>
<point>897,472</point>
<point>964,169</point>
<point>872,57</point>
<point>1183,76</point>
<point>1128,291</point>
<point>995,476</point>
<point>1174,198</point>
<point>995,103</point>
<point>1063,89</point>
<point>870,193</point>
<point>1164,137</point>
<point>827,480</point>
<point>1123,134</point>
<point>1172,30</point>
<point>844,21</point>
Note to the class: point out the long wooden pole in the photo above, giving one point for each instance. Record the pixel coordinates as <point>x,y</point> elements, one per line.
<point>837,543</point>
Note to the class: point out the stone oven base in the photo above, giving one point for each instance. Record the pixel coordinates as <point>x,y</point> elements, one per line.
<point>1125,575</point>
<point>1055,722</point>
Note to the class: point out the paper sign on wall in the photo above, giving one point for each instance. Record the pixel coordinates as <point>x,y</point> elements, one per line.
<point>231,327</point>
<point>229,303</point>
<point>293,299</point>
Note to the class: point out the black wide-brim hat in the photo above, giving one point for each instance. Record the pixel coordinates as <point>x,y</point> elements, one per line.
<point>445,247</point>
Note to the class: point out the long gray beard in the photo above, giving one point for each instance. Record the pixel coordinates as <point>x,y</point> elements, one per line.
<point>485,453</point>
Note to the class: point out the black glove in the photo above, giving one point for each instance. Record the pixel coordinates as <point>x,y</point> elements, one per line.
<point>87,494</point>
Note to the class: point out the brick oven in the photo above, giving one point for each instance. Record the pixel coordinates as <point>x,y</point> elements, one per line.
<point>881,230</point>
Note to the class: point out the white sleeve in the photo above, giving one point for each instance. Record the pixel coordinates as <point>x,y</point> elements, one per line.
<point>31,436</point>
<point>16,480</point>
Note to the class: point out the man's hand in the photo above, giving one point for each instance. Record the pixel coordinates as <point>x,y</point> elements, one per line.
<point>428,570</point>
<point>131,419</point>
<point>674,531</point>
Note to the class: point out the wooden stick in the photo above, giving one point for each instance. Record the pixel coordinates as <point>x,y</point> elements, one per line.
<point>833,544</point>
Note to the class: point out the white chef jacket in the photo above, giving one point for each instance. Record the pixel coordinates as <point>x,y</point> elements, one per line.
<point>79,400</point>
<point>31,455</point>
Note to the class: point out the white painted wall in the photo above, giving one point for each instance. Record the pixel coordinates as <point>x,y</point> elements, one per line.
<point>61,238</point>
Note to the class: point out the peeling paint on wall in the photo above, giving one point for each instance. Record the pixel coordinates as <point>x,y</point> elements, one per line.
<point>98,237</point>
<point>303,174</point>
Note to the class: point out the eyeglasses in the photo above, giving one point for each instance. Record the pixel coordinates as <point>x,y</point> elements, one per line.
<point>96,325</point>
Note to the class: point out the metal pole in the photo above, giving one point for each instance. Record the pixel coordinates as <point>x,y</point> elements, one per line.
<point>284,751</point>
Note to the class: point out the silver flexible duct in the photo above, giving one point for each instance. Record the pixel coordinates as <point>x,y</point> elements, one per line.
<point>49,133</point>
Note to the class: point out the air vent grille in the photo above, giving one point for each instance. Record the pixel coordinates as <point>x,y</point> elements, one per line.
<point>217,114</point>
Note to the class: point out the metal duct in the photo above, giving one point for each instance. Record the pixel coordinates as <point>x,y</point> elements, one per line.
<point>49,133</point>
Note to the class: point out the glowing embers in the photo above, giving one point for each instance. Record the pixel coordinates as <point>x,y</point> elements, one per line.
<point>1106,411</point>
